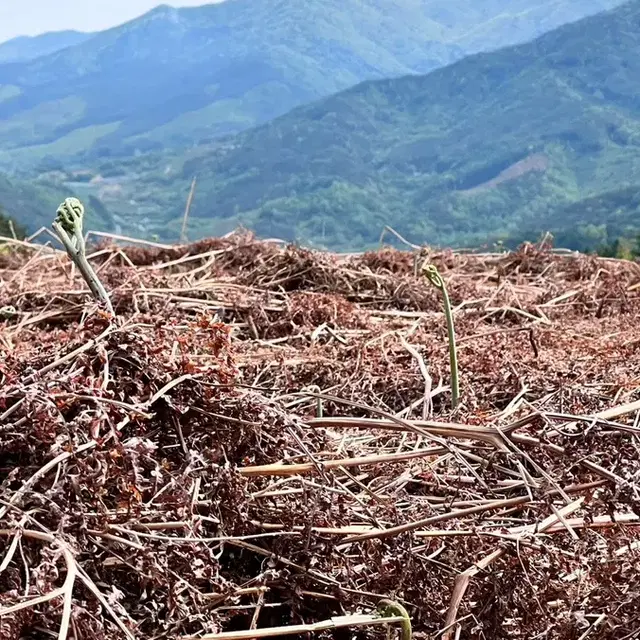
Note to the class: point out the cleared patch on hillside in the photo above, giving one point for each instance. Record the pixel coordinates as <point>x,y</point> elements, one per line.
<point>538,162</point>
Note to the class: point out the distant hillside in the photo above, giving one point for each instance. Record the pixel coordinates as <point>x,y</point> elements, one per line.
<point>33,205</point>
<point>26,48</point>
<point>488,146</point>
<point>589,224</point>
<point>175,77</point>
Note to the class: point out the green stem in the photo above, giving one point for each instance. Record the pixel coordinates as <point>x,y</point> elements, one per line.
<point>434,277</point>
<point>68,228</point>
<point>389,608</point>
<point>319,408</point>
<point>453,350</point>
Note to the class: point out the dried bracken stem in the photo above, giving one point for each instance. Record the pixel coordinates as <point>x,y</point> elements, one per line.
<point>262,442</point>
<point>66,590</point>
<point>308,467</point>
<point>447,429</point>
<point>187,209</point>
<point>413,526</point>
<point>325,625</point>
<point>462,581</point>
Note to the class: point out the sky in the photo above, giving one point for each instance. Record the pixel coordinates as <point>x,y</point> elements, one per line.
<point>31,17</point>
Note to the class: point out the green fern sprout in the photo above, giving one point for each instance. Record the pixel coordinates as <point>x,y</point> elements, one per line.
<point>68,228</point>
<point>434,277</point>
<point>389,608</point>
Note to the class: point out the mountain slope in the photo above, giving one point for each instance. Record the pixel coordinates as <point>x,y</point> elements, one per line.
<point>175,77</point>
<point>33,204</point>
<point>475,150</point>
<point>26,48</point>
<point>591,223</point>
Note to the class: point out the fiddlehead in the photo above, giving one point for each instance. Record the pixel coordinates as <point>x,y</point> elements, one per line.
<point>69,216</point>
<point>68,228</point>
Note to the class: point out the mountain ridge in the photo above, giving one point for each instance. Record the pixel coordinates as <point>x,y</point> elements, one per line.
<point>27,48</point>
<point>120,92</point>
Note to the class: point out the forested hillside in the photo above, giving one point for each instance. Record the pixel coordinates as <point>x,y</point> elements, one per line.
<point>479,150</point>
<point>175,77</point>
<point>33,205</point>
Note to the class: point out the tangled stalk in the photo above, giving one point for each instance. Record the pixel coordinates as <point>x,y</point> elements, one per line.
<point>68,228</point>
<point>388,612</point>
<point>433,276</point>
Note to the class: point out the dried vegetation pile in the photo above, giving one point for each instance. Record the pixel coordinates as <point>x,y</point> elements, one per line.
<point>264,437</point>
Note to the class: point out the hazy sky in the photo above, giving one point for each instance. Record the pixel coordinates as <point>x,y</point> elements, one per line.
<point>30,17</point>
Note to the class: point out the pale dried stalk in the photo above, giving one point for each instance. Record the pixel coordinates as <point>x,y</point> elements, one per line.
<point>309,467</point>
<point>446,429</point>
<point>333,623</point>
<point>185,217</point>
<point>412,526</point>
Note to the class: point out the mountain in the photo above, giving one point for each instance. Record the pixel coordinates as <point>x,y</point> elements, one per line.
<point>175,77</point>
<point>484,148</point>
<point>26,48</point>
